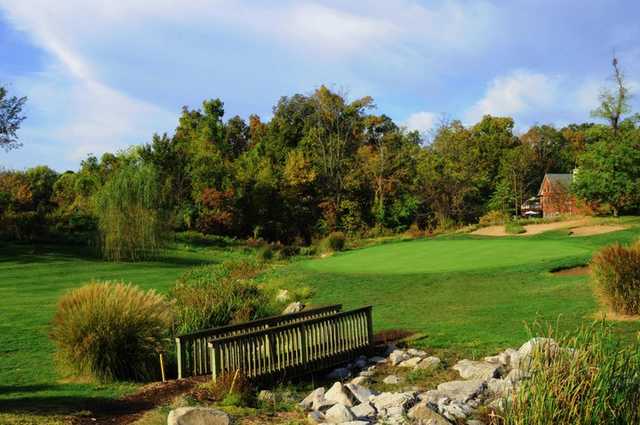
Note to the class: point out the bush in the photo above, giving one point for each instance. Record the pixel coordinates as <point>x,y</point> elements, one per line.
<point>265,253</point>
<point>336,241</point>
<point>493,218</point>
<point>216,295</point>
<point>514,228</point>
<point>111,331</point>
<point>230,389</point>
<point>616,273</point>
<point>596,382</point>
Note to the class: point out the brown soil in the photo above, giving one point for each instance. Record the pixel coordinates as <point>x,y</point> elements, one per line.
<point>532,229</point>
<point>596,229</point>
<point>573,271</point>
<point>128,409</point>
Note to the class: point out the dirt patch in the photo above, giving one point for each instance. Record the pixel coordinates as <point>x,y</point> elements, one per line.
<point>532,229</point>
<point>572,271</point>
<point>596,229</point>
<point>128,409</point>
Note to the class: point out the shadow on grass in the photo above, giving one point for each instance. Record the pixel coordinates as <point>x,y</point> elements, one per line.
<point>69,405</point>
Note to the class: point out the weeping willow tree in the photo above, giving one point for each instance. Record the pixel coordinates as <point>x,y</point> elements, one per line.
<point>129,214</point>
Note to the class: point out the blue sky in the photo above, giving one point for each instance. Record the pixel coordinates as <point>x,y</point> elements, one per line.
<point>103,75</point>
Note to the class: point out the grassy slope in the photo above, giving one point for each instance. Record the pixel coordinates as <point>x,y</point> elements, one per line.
<point>31,280</point>
<point>469,294</point>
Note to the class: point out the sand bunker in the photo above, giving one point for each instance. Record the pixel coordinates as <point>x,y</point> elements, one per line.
<point>596,230</point>
<point>532,229</point>
<point>572,271</point>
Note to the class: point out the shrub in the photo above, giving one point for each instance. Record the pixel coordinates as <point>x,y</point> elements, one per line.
<point>336,241</point>
<point>514,228</point>
<point>216,295</point>
<point>616,273</point>
<point>493,218</point>
<point>265,253</point>
<point>111,331</point>
<point>596,382</point>
<point>230,389</point>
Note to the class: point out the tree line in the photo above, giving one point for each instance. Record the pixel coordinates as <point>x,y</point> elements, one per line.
<point>323,163</point>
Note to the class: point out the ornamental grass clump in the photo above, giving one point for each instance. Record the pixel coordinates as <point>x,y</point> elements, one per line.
<point>111,331</point>
<point>216,295</point>
<point>616,273</point>
<point>593,379</point>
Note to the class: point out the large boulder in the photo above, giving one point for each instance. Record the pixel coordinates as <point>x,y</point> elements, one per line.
<point>387,401</point>
<point>398,356</point>
<point>339,394</point>
<point>411,363</point>
<point>360,393</point>
<point>364,411</point>
<point>422,414</point>
<point>197,416</point>
<point>339,414</point>
<point>315,397</point>
<point>430,364</point>
<point>470,369</point>
<point>391,380</point>
<point>462,390</point>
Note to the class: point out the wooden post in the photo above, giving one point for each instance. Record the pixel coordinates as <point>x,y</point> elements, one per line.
<point>370,327</point>
<point>179,357</point>
<point>212,352</point>
<point>162,368</point>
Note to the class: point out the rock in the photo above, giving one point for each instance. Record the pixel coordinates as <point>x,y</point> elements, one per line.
<point>377,360</point>
<point>364,411</point>
<point>339,414</point>
<point>424,415</point>
<point>360,393</point>
<point>455,410</point>
<point>391,380</point>
<point>283,296</point>
<point>475,422</point>
<point>339,374</point>
<point>500,387</point>
<point>470,369</point>
<point>315,417</point>
<point>339,394</point>
<point>412,362</point>
<point>398,356</point>
<point>517,375</point>
<point>361,362</point>
<point>315,396</point>
<point>432,396</point>
<point>359,380</point>
<point>462,390</point>
<point>386,401</point>
<point>547,345</point>
<point>416,353</point>
<point>356,423</point>
<point>197,416</point>
<point>366,373</point>
<point>294,307</point>
<point>429,363</point>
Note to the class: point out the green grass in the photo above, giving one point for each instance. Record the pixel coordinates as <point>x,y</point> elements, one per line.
<point>31,281</point>
<point>468,295</point>
<point>471,295</point>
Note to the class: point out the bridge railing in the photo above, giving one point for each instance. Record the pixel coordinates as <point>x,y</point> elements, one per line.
<point>294,348</point>
<point>193,354</point>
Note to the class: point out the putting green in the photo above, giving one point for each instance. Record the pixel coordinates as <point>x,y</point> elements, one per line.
<point>441,255</point>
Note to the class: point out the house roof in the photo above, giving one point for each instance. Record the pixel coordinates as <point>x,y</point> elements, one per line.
<point>561,180</point>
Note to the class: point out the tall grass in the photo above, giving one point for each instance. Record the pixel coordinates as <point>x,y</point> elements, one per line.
<point>216,295</point>
<point>111,331</point>
<point>596,381</point>
<point>616,273</point>
<point>128,209</point>
<point>514,228</point>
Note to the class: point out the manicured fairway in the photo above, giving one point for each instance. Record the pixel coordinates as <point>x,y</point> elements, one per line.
<point>468,294</point>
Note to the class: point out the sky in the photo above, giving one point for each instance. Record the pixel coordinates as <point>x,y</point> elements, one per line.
<point>103,75</point>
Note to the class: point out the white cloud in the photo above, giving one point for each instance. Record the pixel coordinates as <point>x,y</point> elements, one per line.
<point>519,93</point>
<point>421,121</point>
<point>110,63</point>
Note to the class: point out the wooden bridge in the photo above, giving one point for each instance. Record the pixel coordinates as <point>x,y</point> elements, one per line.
<point>288,344</point>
